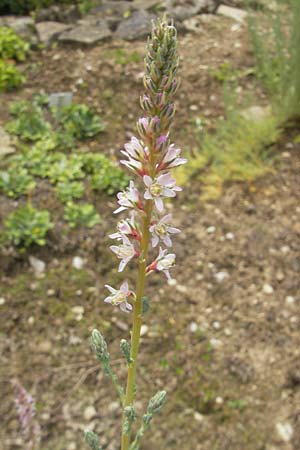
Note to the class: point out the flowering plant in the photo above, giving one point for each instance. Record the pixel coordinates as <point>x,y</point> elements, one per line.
<point>150,157</point>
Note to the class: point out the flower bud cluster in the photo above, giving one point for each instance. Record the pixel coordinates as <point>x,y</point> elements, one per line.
<point>150,157</point>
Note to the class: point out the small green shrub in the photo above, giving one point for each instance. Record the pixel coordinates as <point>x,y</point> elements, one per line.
<point>69,190</point>
<point>83,214</point>
<point>276,46</point>
<point>29,123</point>
<point>80,121</point>
<point>105,176</point>
<point>238,151</point>
<point>10,76</point>
<point>27,226</point>
<point>16,182</point>
<point>63,168</point>
<point>12,46</point>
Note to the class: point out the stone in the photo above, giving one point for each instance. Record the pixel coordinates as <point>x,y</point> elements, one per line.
<point>239,15</point>
<point>38,265</point>
<point>78,312</point>
<point>221,276</point>
<point>86,34</point>
<point>2,301</point>
<point>289,300</point>
<point>144,330</point>
<point>78,262</point>
<point>268,289</point>
<point>49,31</point>
<point>138,25</point>
<point>89,413</point>
<point>193,327</point>
<point>6,147</point>
<point>182,10</point>
<point>284,431</point>
<point>24,26</point>
<point>216,343</point>
<point>256,113</point>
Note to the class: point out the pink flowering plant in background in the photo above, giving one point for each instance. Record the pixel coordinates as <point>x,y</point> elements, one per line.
<point>144,237</point>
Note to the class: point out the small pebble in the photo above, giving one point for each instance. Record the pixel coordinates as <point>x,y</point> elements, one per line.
<point>78,262</point>
<point>268,289</point>
<point>181,288</point>
<point>285,249</point>
<point>289,300</point>
<point>31,320</point>
<point>227,332</point>
<point>221,276</point>
<point>211,230</point>
<point>219,401</point>
<point>50,292</point>
<point>89,413</point>
<point>2,301</point>
<point>193,327</point>
<point>198,417</point>
<point>216,325</point>
<point>172,282</point>
<point>229,236</point>
<point>144,329</point>
<point>216,343</point>
<point>285,431</point>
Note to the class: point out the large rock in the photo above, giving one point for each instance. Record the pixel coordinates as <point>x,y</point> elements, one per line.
<point>49,31</point>
<point>23,26</point>
<point>138,25</point>
<point>239,15</point>
<point>86,34</point>
<point>182,10</point>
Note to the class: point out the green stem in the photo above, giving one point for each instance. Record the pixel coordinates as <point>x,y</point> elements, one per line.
<point>137,315</point>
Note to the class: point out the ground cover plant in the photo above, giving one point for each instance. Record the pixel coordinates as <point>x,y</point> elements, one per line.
<point>44,153</point>
<point>12,49</point>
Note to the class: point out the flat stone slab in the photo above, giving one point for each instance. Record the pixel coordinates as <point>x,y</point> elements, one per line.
<point>24,26</point>
<point>239,15</point>
<point>5,143</point>
<point>138,25</point>
<point>85,34</point>
<point>49,31</point>
<point>182,10</point>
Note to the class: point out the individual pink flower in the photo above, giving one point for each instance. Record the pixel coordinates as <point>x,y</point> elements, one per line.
<point>137,155</point>
<point>163,263</point>
<point>160,187</point>
<point>171,159</point>
<point>127,227</point>
<point>125,252</point>
<point>161,142</point>
<point>119,297</point>
<point>129,199</point>
<point>161,231</point>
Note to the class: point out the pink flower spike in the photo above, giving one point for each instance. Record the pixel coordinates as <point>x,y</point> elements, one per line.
<point>161,231</point>
<point>119,297</point>
<point>125,252</point>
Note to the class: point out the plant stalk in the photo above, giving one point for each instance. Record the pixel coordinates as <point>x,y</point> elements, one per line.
<point>137,315</point>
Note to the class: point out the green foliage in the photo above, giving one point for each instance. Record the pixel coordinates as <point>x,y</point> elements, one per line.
<point>26,6</point>
<point>16,182</point>
<point>238,151</point>
<point>64,168</point>
<point>80,121</point>
<point>83,214</point>
<point>105,176</point>
<point>29,123</point>
<point>27,226</point>
<point>10,76</point>
<point>12,46</point>
<point>68,190</point>
<point>276,45</point>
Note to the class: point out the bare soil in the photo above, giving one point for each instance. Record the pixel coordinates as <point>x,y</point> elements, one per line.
<point>224,340</point>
